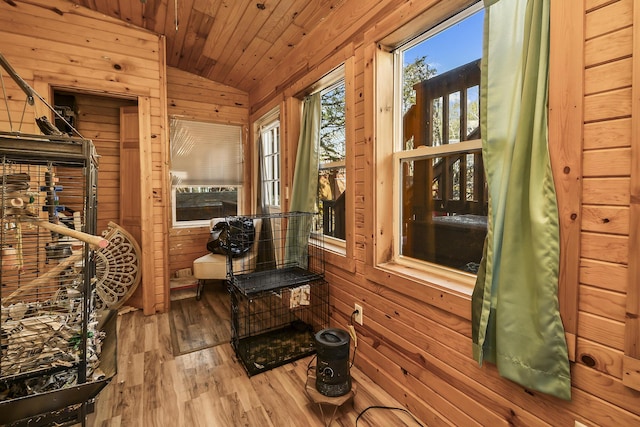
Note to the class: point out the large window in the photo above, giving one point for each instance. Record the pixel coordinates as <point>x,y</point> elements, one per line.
<point>206,171</point>
<point>440,190</point>
<point>332,167</point>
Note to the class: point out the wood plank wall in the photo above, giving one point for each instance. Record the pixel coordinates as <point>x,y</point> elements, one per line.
<point>58,44</point>
<point>195,98</point>
<point>98,118</point>
<point>416,342</point>
<point>605,251</point>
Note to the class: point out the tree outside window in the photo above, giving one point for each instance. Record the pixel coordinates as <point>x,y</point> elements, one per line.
<point>332,167</point>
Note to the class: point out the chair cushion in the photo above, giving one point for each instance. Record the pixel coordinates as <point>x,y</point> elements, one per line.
<point>210,266</point>
<point>214,266</point>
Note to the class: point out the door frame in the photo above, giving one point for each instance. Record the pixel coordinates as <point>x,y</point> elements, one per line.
<point>147,262</point>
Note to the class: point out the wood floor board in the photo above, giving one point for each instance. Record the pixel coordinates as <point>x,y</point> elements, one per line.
<point>209,387</point>
<point>258,417</point>
<point>196,325</point>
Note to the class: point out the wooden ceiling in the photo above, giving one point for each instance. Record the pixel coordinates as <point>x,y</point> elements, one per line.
<point>234,42</point>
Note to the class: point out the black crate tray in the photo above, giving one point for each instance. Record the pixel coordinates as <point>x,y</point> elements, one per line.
<point>275,348</point>
<point>261,281</point>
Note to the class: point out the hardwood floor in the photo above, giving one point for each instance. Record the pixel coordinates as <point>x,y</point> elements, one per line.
<point>209,387</point>
<point>196,325</point>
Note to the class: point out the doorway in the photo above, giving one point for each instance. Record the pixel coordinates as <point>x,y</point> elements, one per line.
<point>112,124</point>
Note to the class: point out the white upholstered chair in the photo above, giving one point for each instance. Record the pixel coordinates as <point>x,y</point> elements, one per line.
<point>214,266</point>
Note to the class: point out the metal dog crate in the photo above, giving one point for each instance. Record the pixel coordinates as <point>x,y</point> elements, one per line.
<point>279,298</point>
<point>56,353</point>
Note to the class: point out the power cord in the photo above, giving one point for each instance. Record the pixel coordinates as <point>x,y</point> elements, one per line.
<point>352,332</point>
<point>309,367</point>
<point>391,408</point>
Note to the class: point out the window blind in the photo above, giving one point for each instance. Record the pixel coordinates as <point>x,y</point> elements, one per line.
<point>205,153</point>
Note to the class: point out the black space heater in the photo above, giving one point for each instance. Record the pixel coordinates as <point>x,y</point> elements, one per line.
<point>332,369</point>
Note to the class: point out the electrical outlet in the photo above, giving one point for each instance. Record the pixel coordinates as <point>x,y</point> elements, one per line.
<point>359,316</point>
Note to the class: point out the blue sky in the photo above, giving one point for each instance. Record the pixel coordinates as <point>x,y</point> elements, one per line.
<point>455,46</point>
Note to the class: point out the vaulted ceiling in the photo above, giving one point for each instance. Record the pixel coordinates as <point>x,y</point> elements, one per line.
<point>234,42</point>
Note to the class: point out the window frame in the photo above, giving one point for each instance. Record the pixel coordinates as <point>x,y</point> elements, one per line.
<point>267,126</point>
<point>341,257</point>
<point>337,77</point>
<point>453,295</point>
<point>447,289</point>
<point>173,187</point>
<point>422,270</point>
<point>420,153</point>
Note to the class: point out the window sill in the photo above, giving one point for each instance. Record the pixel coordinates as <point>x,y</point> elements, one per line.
<point>193,224</point>
<point>335,246</point>
<point>335,252</point>
<point>447,290</point>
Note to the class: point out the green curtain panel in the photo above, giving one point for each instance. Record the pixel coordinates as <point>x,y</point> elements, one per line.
<point>305,178</point>
<point>515,309</point>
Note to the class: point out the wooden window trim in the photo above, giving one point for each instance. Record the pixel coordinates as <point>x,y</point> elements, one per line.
<point>342,254</point>
<point>566,97</point>
<point>631,360</point>
<point>439,287</point>
<point>267,114</point>
<point>270,124</point>
<point>340,257</point>
<point>565,144</point>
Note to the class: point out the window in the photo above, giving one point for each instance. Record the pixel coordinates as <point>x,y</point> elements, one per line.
<point>439,187</point>
<point>206,171</point>
<point>270,137</point>
<point>332,167</point>
<point>195,203</point>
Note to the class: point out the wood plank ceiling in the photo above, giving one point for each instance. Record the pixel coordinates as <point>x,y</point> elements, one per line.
<point>233,42</point>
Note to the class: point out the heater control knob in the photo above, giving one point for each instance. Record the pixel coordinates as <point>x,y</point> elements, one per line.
<point>327,372</point>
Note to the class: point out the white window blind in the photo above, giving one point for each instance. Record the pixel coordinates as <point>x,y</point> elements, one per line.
<point>205,153</point>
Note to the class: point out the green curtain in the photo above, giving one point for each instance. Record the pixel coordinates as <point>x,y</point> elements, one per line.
<point>305,181</point>
<point>515,310</point>
<point>305,176</point>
